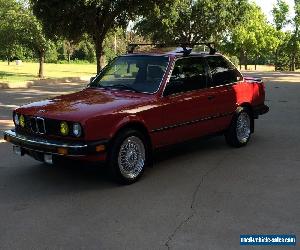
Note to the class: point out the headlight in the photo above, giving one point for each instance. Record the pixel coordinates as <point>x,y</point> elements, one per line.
<point>22,121</point>
<point>64,128</point>
<point>16,120</point>
<point>77,129</point>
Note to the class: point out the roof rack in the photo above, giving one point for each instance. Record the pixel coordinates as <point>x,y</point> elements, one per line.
<point>186,47</point>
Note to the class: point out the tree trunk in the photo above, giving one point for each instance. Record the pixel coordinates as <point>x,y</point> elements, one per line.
<point>241,59</point>
<point>115,44</point>
<point>276,58</point>
<point>41,61</point>
<point>8,60</point>
<point>99,54</point>
<point>69,57</point>
<point>246,61</point>
<point>293,59</point>
<point>295,48</point>
<point>293,56</point>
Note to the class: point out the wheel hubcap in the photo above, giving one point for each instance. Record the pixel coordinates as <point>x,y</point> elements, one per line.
<point>131,157</point>
<point>243,127</point>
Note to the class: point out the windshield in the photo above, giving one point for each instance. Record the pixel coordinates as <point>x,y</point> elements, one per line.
<point>134,73</point>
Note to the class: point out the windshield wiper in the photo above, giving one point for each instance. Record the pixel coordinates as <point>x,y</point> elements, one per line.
<point>121,86</point>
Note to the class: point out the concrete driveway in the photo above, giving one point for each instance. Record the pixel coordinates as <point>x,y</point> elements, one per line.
<point>199,195</point>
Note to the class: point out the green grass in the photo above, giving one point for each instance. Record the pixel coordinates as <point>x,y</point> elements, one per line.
<point>28,71</point>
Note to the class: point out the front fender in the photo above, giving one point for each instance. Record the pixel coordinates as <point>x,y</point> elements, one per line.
<point>105,127</point>
<point>126,121</point>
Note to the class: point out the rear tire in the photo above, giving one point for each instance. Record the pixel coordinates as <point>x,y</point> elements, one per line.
<point>239,131</point>
<point>128,157</point>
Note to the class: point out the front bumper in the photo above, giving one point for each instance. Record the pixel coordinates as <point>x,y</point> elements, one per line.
<point>55,147</point>
<point>260,110</point>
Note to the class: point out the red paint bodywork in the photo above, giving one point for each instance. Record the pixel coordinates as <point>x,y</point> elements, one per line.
<point>102,113</point>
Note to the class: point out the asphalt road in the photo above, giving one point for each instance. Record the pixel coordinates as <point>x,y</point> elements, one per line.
<point>200,195</point>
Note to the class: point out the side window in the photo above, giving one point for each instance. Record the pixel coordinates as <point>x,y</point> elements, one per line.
<point>188,74</point>
<point>222,71</point>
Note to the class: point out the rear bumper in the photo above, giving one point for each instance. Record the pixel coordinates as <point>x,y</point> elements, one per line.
<point>60,148</point>
<point>260,110</point>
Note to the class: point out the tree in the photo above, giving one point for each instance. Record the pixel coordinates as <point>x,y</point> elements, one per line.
<point>33,37</point>
<point>85,50</point>
<point>9,28</point>
<point>280,13</point>
<point>284,51</point>
<point>19,27</point>
<point>280,18</point>
<point>115,44</point>
<point>253,37</point>
<point>73,18</point>
<point>191,20</point>
<point>69,47</point>
<point>296,36</point>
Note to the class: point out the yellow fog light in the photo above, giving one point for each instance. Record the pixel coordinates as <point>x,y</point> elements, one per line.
<point>22,121</point>
<point>64,128</point>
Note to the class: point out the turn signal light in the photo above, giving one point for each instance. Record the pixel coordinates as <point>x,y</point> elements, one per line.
<point>100,148</point>
<point>62,151</point>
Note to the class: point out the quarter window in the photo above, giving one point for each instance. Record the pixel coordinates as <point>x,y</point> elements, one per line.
<point>222,71</point>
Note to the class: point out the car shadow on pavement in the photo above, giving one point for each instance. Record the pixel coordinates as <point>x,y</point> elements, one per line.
<point>24,177</point>
<point>38,179</point>
<point>200,145</point>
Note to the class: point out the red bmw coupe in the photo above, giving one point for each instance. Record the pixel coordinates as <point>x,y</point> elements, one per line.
<point>140,102</point>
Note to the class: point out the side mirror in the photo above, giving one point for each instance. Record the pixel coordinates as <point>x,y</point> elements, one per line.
<point>92,79</point>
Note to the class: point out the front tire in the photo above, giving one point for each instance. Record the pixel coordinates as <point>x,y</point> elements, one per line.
<point>239,131</point>
<point>128,156</point>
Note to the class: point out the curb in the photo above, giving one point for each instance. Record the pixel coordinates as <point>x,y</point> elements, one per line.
<point>29,84</point>
<point>25,85</point>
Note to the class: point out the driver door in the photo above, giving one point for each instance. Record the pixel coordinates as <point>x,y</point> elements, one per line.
<point>186,105</point>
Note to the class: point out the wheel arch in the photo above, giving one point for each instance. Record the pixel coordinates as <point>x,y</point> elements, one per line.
<point>134,125</point>
<point>250,108</point>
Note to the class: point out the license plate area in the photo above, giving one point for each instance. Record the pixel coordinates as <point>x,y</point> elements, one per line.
<point>18,150</point>
<point>48,158</point>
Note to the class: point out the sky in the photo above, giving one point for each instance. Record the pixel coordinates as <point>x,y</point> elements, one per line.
<point>267,6</point>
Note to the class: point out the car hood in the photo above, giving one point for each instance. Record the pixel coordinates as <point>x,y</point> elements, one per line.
<point>84,104</point>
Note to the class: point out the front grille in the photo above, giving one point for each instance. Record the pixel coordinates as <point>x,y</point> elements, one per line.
<point>37,125</point>
<point>33,125</point>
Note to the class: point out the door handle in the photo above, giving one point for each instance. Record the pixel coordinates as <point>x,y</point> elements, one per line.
<point>210,97</point>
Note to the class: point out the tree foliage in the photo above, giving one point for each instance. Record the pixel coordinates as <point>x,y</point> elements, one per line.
<point>73,18</point>
<point>280,13</point>
<point>253,37</point>
<point>191,20</point>
<point>9,28</point>
<point>19,27</point>
<point>295,39</point>
<point>280,18</point>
